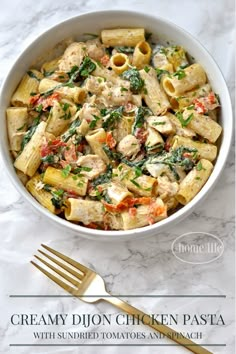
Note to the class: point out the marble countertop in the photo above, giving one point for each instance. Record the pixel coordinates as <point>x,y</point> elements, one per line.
<point>144,267</point>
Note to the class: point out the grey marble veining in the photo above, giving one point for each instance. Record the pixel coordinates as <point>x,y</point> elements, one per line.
<point>144,266</point>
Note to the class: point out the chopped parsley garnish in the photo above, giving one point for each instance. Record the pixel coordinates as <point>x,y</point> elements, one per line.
<point>146,68</point>
<point>184,122</point>
<point>161,72</point>
<point>135,183</point>
<point>158,123</point>
<point>32,75</point>
<point>199,166</point>
<point>82,168</point>
<point>180,74</point>
<point>39,108</point>
<point>66,171</point>
<point>136,82</point>
<point>123,89</point>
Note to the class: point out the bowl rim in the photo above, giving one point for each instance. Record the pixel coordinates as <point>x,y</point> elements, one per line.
<point>145,231</point>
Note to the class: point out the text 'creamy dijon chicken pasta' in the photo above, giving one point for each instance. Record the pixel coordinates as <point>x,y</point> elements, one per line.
<point>116,133</point>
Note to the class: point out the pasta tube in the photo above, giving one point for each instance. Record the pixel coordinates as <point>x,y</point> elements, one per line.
<point>71,183</point>
<point>154,141</point>
<point>96,139</point>
<point>122,37</point>
<point>124,128</point>
<point>85,211</point>
<point>180,102</point>
<point>29,84</point>
<point>184,80</point>
<point>162,124</point>
<point>180,130</point>
<point>142,55</point>
<point>34,186</point>
<point>154,97</point>
<point>204,151</point>
<point>203,125</point>
<point>143,185</point>
<point>60,116</point>
<point>17,118</point>
<point>50,66</point>
<point>117,192</point>
<point>29,160</point>
<point>194,181</point>
<point>76,94</point>
<point>73,56</point>
<point>119,63</point>
<point>145,215</point>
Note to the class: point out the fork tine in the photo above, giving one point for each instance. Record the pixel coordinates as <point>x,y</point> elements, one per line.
<point>58,271</point>
<point>62,265</point>
<point>59,282</point>
<point>77,265</point>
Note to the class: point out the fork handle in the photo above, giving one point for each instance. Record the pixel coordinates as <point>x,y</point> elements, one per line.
<point>158,326</point>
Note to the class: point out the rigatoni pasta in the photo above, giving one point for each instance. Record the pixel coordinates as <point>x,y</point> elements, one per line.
<point>115,133</point>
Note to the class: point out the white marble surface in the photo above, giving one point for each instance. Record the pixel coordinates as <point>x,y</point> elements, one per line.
<point>135,267</point>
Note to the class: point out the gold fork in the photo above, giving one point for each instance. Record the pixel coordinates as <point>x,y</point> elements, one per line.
<point>87,284</point>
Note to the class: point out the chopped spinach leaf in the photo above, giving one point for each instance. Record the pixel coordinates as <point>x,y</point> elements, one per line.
<point>112,117</point>
<point>140,118</point>
<point>32,75</point>
<point>71,131</point>
<point>57,198</point>
<point>125,49</point>
<point>136,82</point>
<point>103,178</point>
<point>30,132</point>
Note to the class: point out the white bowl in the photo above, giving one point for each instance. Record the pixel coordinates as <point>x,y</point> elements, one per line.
<point>93,23</point>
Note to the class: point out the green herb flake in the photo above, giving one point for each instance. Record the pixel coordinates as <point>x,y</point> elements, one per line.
<point>135,183</point>
<point>161,72</point>
<point>184,122</point>
<point>180,74</point>
<point>146,68</point>
<point>123,89</point>
<point>158,123</point>
<point>199,166</point>
<point>39,108</point>
<point>66,171</point>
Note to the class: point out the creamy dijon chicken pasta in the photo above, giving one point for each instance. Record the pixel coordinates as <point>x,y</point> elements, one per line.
<point>116,133</point>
